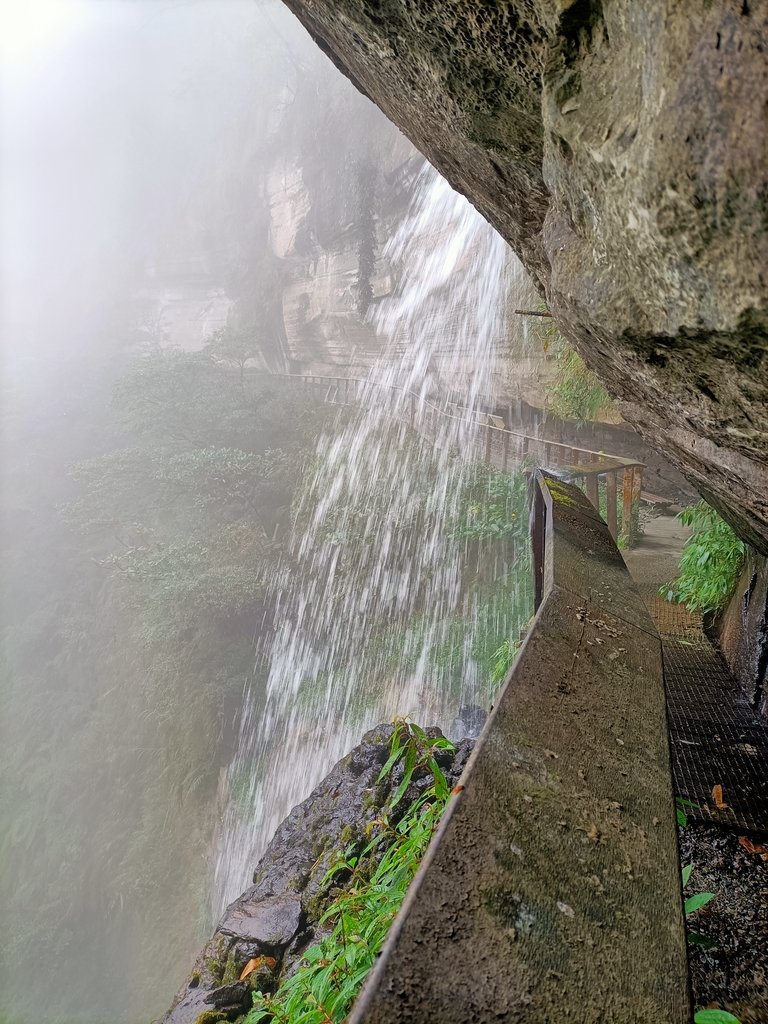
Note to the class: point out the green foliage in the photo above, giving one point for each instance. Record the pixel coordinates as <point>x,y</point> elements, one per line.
<point>694,903</point>
<point>577,393</point>
<point>503,658</point>
<point>714,1017</point>
<point>234,347</point>
<point>680,810</point>
<point>697,901</point>
<point>710,563</point>
<point>493,506</point>
<point>332,972</point>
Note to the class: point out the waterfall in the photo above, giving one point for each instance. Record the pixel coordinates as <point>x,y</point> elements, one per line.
<point>401,626</point>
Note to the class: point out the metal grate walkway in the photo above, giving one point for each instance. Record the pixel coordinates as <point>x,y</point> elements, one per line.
<point>716,737</point>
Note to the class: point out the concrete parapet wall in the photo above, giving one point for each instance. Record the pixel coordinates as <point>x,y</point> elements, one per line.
<point>552,891</point>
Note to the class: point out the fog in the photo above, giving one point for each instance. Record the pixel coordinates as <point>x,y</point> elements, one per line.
<point>136,138</point>
<point>197,205</point>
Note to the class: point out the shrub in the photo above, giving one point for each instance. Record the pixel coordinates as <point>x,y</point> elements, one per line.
<point>332,972</point>
<point>710,563</point>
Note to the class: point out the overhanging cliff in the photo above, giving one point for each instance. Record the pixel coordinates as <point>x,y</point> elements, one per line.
<point>620,149</point>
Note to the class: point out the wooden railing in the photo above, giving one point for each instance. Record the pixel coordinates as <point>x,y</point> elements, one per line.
<point>609,481</point>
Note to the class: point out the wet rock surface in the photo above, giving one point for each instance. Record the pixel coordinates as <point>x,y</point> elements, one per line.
<point>733,973</point>
<point>275,920</point>
<point>620,149</point>
<point>743,632</point>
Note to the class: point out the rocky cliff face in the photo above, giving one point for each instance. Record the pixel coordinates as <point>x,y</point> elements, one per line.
<point>743,632</point>
<point>620,149</point>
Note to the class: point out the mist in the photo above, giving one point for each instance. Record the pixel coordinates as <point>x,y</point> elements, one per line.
<point>199,216</point>
<point>136,138</point>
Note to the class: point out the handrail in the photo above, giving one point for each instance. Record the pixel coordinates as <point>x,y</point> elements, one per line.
<point>367,382</point>
<point>551,890</point>
<point>621,476</point>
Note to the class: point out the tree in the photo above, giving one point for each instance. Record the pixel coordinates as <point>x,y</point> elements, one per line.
<point>235,347</point>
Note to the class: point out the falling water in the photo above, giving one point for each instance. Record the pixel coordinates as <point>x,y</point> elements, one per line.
<point>375,615</point>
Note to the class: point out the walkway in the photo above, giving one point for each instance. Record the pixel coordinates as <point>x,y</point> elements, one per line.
<point>609,481</point>
<point>716,737</point>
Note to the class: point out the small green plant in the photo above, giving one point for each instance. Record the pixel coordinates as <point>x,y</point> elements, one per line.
<point>332,972</point>
<point>699,899</point>
<point>577,393</point>
<point>694,903</point>
<point>710,563</point>
<point>715,1017</point>
<point>502,661</point>
<point>680,810</point>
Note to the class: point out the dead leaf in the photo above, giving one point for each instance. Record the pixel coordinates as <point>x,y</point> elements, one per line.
<point>457,789</point>
<point>717,796</point>
<point>594,834</point>
<point>260,961</point>
<point>756,848</point>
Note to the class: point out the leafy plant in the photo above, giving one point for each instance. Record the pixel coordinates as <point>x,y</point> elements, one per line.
<point>332,972</point>
<point>714,1017</point>
<point>680,811</point>
<point>697,901</point>
<point>710,563</point>
<point>502,660</point>
<point>692,905</point>
<point>577,393</point>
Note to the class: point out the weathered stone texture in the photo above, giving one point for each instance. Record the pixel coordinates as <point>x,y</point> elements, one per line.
<point>743,632</point>
<point>621,149</point>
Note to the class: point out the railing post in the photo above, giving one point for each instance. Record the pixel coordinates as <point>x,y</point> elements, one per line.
<point>487,445</point>
<point>538,540</point>
<point>593,491</point>
<point>637,486</point>
<point>610,491</point>
<point>626,504</point>
<point>506,452</point>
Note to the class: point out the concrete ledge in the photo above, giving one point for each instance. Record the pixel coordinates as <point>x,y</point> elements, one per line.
<point>552,891</point>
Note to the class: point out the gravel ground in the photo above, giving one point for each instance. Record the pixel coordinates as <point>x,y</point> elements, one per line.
<point>733,974</point>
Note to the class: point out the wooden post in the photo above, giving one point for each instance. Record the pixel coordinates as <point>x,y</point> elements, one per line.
<point>626,504</point>
<point>637,486</point>
<point>538,539</point>
<point>487,445</point>
<point>592,490</point>
<point>506,452</point>
<point>610,490</point>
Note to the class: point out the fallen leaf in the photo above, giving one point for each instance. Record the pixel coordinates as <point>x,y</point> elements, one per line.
<point>260,961</point>
<point>457,789</point>
<point>756,848</point>
<point>717,796</point>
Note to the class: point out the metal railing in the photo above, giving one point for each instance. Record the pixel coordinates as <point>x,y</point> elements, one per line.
<point>619,481</point>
